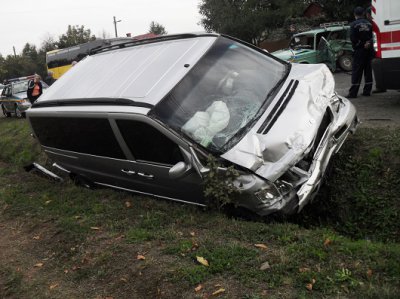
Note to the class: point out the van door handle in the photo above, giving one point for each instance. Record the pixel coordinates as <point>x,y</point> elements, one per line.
<point>128,172</point>
<point>145,175</point>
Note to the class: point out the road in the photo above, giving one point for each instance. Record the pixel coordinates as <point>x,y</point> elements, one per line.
<point>378,110</point>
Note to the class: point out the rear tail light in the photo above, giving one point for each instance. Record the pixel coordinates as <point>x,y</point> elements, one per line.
<point>377,41</point>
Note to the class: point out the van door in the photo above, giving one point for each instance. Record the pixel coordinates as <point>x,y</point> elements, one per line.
<point>151,155</point>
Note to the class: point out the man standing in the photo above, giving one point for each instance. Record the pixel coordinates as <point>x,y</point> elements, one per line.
<point>361,39</point>
<point>49,79</point>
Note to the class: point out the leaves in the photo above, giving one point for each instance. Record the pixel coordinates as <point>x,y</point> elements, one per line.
<point>38,265</point>
<point>202,261</point>
<point>198,288</point>
<point>327,242</point>
<point>218,292</point>
<point>369,273</point>
<point>265,266</point>
<point>309,286</point>
<point>140,257</point>
<point>261,246</point>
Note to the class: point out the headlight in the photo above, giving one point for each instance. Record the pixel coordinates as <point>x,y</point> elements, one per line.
<point>273,192</point>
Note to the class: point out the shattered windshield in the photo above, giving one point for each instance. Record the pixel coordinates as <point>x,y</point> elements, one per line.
<point>221,94</point>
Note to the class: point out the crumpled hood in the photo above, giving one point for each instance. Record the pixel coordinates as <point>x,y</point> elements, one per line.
<point>287,54</point>
<point>277,143</point>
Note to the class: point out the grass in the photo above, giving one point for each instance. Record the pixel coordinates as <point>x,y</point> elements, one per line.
<point>102,243</point>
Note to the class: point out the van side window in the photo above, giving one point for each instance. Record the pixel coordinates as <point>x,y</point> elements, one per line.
<point>92,136</point>
<point>148,144</point>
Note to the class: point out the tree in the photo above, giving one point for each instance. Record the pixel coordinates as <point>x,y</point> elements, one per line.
<point>75,35</point>
<point>157,28</point>
<point>48,44</point>
<point>249,20</point>
<point>341,10</point>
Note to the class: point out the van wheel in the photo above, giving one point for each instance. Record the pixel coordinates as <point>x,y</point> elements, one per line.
<point>345,62</point>
<point>18,112</point>
<point>81,181</point>
<point>5,113</point>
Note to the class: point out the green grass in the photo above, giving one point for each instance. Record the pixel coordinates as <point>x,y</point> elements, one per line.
<point>360,198</point>
<point>345,244</point>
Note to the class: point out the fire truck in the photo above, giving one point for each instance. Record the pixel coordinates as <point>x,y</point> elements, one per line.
<point>386,25</point>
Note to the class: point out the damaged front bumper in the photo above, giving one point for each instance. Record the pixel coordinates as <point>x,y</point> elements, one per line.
<point>298,185</point>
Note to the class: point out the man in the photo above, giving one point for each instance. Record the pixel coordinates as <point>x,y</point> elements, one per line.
<point>361,39</point>
<point>49,78</point>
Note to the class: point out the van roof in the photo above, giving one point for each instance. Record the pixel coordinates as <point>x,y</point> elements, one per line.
<point>142,72</point>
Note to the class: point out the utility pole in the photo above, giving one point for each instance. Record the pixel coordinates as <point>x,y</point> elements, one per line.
<point>115,26</point>
<point>15,54</point>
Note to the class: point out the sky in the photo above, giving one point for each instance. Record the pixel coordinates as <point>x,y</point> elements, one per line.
<point>33,21</point>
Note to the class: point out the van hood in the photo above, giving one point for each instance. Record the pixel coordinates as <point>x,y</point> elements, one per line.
<point>286,131</point>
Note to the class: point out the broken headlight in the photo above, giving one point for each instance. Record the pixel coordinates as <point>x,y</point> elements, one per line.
<point>273,192</point>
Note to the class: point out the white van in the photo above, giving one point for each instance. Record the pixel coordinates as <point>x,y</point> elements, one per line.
<point>386,24</point>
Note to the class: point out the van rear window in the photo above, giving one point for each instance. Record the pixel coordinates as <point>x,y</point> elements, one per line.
<point>92,136</point>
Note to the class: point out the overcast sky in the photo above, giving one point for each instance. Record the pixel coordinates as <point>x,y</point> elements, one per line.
<point>33,21</point>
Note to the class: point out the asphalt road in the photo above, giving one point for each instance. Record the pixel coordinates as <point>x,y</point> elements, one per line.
<point>377,110</point>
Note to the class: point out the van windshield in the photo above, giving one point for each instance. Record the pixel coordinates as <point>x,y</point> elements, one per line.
<point>222,94</point>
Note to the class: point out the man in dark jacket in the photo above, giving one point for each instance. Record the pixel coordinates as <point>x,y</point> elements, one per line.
<point>361,39</point>
<point>49,78</point>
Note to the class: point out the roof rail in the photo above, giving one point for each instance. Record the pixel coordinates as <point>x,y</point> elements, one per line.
<point>148,41</point>
<point>324,25</point>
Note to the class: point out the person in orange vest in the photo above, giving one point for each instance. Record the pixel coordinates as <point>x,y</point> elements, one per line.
<point>35,89</point>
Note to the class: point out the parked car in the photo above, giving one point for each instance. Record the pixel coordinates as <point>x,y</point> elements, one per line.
<point>145,116</point>
<point>329,44</point>
<point>13,99</point>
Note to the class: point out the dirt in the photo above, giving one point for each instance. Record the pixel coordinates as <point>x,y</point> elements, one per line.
<point>22,252</point>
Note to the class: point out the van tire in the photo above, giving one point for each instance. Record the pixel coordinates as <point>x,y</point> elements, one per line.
<point>345,62</point>
<point>5,113</point>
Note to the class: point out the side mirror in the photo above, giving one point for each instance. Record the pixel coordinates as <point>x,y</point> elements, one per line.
<point>178,170</point>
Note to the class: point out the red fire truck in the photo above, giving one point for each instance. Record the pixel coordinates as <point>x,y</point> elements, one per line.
<point>386,24</point>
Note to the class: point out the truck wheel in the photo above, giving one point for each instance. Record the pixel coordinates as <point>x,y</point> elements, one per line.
<point>5,113</point>
<point>346,62</point>
<point>18,112</point>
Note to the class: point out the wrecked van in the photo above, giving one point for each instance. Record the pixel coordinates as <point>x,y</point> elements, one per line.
<point>144,116</point>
